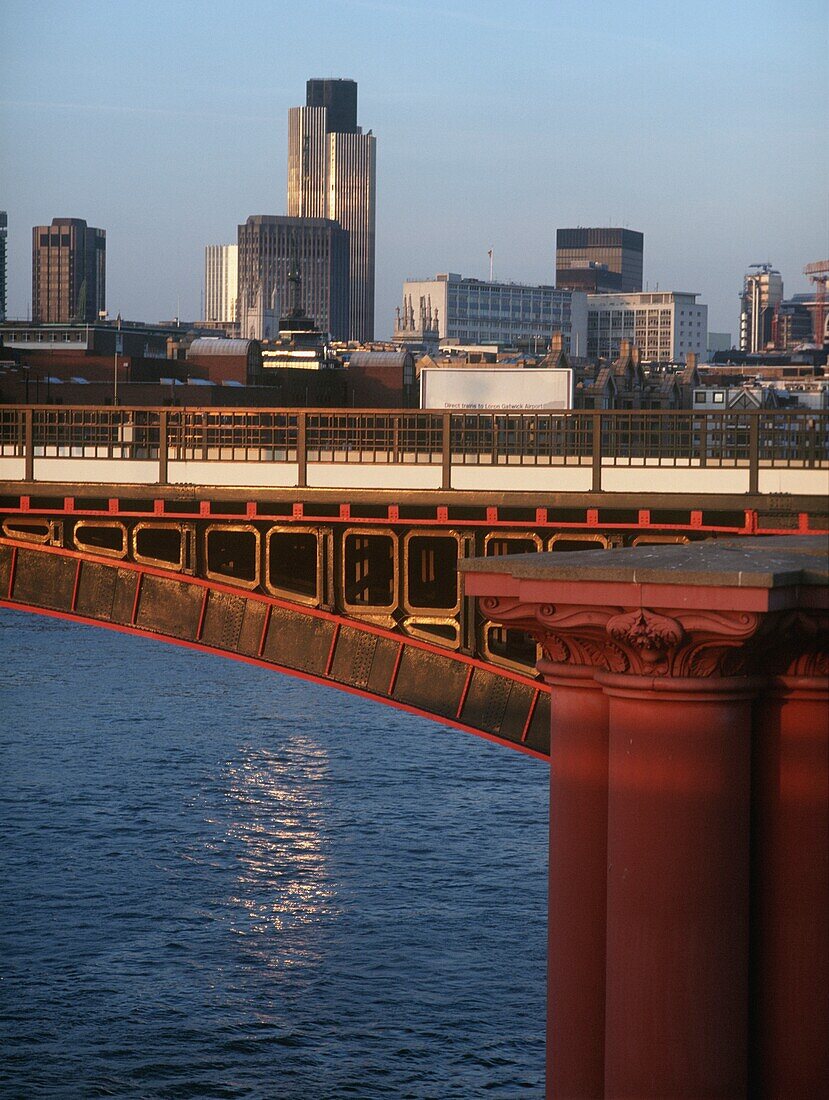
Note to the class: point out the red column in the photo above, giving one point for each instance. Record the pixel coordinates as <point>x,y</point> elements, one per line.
<point>790,890</point>
<point>577,884</point>
<point>678,887</point>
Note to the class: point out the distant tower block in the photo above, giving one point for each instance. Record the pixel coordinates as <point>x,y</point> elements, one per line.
<point>68,271</point>
<point>761,296</point>
<point>332,174</point>
<point>599,260</point>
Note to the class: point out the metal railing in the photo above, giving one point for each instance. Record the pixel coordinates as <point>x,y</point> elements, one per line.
<point>753,439</point>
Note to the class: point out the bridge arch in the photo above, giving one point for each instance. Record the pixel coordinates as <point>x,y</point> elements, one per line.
<point>353,655</point>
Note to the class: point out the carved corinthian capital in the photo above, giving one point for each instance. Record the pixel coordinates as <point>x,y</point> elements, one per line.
<point>638,640</point>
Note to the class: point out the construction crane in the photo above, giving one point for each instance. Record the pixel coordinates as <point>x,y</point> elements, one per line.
<point>818,272</point>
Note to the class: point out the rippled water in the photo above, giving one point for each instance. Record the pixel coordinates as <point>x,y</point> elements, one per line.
<point>218,882</point>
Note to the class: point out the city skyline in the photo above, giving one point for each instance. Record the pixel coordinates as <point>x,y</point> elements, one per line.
<point>511,141</point>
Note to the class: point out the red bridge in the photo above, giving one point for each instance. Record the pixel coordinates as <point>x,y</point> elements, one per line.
<point>328,543</point>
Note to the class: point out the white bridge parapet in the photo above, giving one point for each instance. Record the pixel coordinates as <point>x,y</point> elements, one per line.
<point>637,452</point>
<point>644,478</point>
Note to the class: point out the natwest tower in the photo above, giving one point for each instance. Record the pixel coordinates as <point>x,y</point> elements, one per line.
<point>331,174</point>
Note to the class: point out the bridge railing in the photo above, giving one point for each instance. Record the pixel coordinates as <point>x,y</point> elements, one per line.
<point>753,440</point>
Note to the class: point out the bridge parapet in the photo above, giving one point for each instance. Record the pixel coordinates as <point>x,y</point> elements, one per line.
<point>650,451</point>
<point>689,869</point>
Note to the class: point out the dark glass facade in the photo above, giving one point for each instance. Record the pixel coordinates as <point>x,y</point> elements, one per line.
<point>339,97</point>
<point>599,259</point>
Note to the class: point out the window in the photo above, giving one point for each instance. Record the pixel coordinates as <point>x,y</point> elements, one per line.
<point>718,398</point>
<point>701,397</point>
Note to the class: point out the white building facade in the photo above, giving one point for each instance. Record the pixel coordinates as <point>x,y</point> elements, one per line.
<point>221,282</point>
<point>665,325</point>
<point>471,311</point>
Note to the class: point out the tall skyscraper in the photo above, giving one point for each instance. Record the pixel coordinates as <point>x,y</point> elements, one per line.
<point>4,230</point>
<point>599,260</point>
<point>332,174</point>
<point>68,271</point>
<point>221,282</point>
<point>762,294</point>
<point>270,247</point>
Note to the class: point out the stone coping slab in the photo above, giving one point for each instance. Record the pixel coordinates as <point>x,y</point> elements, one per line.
<point>749,562</point>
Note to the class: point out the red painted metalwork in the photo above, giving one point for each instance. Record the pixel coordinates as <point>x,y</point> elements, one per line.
<point>335,637</point>
<point>464,694</point>
<point>530,714</point>
<point>576,955</point>
<point>137,598</point>
<point>12,571</point>
<point>74,603</point>
<point>689,727</point>
<point>202,613</point>
<point>677,886</point>
<point>395,669</point>
<point>250,509</point>
<point>790,887</point>
<point>264,635</point>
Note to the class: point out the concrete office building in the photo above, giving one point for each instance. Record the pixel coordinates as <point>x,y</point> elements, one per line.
<point>332,174</point>
<point>221,282</point>
<point>665,325</point>
<point>470,311</point>
<point>268,247</point>
<point>4,230</point>
<point>762,294</point>
<point>599,260</point>
<point>68,271</point>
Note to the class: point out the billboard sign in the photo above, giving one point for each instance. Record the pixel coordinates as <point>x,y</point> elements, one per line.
<point>492,388</point>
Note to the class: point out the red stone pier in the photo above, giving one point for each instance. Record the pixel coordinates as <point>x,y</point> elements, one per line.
<point>689,813</point>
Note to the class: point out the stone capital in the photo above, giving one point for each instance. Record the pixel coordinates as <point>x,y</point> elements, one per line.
<point>669,642</point>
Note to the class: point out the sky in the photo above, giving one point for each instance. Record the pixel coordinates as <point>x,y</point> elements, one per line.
<point>701,124</point>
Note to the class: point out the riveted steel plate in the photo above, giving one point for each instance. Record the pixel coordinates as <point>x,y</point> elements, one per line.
<point>430,682</point>
<point>298,641</point>
<point>96,590</point>
<point>354,657</point>
<point>223,620</point>
<point>167,606</point>
<point>250,632</point>
<point>44,580</point>
<point>123,600</point>
<point>382,666</point>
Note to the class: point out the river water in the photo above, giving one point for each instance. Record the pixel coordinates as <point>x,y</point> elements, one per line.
<point>216,881</point>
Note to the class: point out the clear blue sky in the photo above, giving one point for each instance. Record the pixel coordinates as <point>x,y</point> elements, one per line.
<point>703,124</point>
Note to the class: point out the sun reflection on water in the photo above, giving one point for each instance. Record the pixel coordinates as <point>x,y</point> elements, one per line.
<point>274,834</point>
